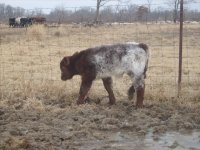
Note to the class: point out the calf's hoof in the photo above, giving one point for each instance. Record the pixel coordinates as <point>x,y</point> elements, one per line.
<point>139,106</point>
<point>78,102</point>
<point>111,102</point>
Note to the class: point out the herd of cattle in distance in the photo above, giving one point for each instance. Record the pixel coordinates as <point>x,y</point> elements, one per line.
<point>25,21</point>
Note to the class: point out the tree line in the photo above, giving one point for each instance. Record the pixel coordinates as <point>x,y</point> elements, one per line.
<point>116,13</point>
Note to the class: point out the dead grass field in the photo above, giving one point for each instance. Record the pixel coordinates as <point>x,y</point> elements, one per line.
<point>33,96</point>
<point>30,57</point>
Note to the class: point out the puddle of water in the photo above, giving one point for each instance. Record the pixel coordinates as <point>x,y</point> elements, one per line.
<point>188,141</point>
<point>128,140</point>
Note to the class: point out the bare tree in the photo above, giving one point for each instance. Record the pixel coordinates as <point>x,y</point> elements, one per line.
<point>60,14</point>
<point>2,11</point>
<point>149,3</point>
<point>19,12</point>
<point>35,12</point>
<point>101,3</point>
<point>141,12</point>
<point>132,12</point>
<point>176,4</point>
<point>9,11</point>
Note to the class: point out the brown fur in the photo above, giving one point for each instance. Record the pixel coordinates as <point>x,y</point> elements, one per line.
<point>143,46</point>
<point>79,64</point>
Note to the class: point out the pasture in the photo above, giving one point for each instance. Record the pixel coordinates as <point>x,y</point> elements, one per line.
<point>38,110</point>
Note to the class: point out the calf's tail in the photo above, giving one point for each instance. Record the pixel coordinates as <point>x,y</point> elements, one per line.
<point>146,49</point>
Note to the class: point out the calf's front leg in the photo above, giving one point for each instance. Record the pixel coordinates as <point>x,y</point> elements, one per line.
<point>85,87</point>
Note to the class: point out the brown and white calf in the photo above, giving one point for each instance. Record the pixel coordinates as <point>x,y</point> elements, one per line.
<point>106,61</point>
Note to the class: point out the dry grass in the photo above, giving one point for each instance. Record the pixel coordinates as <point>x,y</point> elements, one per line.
<point>36,32</point>
<point>30,60</point>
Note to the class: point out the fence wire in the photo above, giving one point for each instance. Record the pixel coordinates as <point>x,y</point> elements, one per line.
<point>30,57</point>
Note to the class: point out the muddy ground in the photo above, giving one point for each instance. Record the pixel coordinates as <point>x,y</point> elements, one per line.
<point>40,125</point>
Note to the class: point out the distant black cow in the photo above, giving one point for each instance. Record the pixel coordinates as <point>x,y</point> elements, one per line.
<point>12,22</point>
<point>25,22</point>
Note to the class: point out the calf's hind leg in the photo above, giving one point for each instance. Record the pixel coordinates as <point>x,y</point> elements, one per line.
<point>131,92</point>
<point>107,82</point>
<point>139,85</point>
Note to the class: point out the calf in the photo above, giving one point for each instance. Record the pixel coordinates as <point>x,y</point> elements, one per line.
<point>106,61</point>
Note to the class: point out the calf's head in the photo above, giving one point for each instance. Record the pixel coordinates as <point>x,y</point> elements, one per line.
<point>66,69</point>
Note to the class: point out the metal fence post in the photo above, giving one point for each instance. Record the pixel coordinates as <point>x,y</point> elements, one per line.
<point>180,48</point>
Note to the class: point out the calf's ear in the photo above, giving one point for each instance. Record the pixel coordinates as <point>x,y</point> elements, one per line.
<point>76,53</point>
<point>66,61</point>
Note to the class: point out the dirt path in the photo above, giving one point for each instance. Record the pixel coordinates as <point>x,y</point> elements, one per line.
<point>38,126</point>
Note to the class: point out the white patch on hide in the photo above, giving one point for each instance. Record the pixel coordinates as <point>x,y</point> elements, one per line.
<point>110,63</point>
